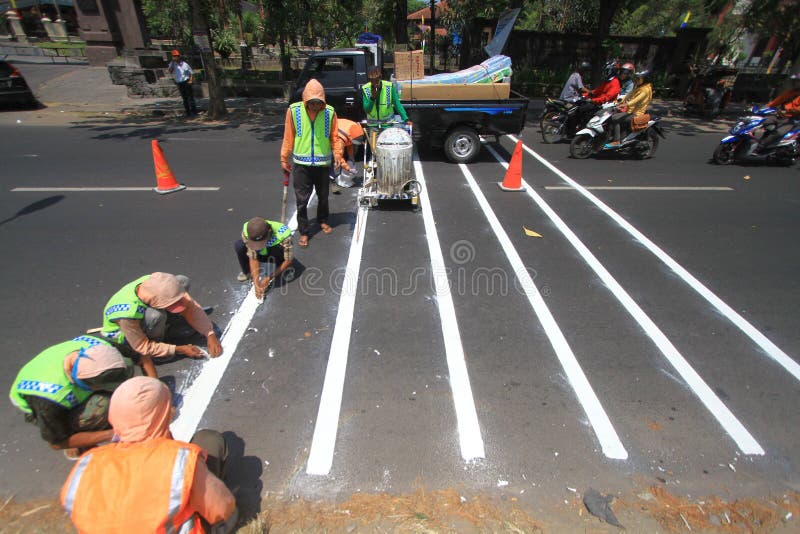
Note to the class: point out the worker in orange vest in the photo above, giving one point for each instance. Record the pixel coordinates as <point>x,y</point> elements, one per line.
<point>147,481</point>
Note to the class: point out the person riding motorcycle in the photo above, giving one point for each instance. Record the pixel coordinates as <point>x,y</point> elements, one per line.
<point>625,79</point>
<point>605,92</point>
<point>573,89</point>
<point>633,104</point>
<point>788,105</point>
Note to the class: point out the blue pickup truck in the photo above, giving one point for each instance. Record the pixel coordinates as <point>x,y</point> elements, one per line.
<point>454,125</point>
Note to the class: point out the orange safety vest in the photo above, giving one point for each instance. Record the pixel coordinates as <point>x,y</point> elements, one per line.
<point>134,487</point>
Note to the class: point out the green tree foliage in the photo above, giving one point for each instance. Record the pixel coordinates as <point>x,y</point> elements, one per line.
<point>780,18</point>
<point>644,18</point>
<point>169,20</point>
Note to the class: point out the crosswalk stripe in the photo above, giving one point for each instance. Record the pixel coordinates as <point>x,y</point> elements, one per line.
<point>609,440</point>
<point>744,440</point>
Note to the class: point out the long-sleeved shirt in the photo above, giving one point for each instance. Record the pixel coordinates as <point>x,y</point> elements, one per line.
<point>636,101</point>
<point>790,100</point>
<point>605,92</point>
<point>136,338</point>
<point>181,71</point>
<point>210,496</point>
<point>572,89</point>
<point>369,103</point>
<point>289,134</point>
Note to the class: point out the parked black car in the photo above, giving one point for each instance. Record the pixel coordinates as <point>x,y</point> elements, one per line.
<point>13,87</point>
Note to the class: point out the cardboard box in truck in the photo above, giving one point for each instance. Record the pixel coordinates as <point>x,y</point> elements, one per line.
<point>454,91</point>
<point>409,65</point>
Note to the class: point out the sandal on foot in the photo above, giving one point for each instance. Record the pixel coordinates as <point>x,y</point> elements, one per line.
<point>326,229</point>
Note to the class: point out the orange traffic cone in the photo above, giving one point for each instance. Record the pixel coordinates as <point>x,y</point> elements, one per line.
<point>513,179</point>
<point>165,180</point>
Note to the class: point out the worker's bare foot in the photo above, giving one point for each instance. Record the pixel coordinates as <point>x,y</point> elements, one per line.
<point>326,229</point>
<point>303,242</point>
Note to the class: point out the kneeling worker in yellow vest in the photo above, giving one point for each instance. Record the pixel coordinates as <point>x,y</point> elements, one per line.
<point>263,241</point>
<point>310,147</point>
<point>147,481</point>
<point>135,319</point>
<point>65,392</point>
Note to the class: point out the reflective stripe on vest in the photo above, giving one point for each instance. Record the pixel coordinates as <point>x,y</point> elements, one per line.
<point>124,304</point>
<point>312,143</point>
<point>279,234</point>
<point>69,499</point>
<point>176,487</point>
<point>384,107</point>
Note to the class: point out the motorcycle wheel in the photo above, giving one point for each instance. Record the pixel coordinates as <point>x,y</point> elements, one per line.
<point>723,154</point>
<point>581,146</point>
<point>551,125</point>
<point>651,145</point>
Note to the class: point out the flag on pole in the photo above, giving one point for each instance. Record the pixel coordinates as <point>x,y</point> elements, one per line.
<point>686,19</point>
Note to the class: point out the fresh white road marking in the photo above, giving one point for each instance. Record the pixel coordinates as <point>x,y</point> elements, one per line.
<point>609,440</point>
<point>320,458</point>
<point>469,431</point>
<point>94,189</point>
<point>772,350</point>
<point>637,188</point>
<point>744,440</point>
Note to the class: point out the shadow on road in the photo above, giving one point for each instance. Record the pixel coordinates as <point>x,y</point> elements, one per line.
<point>35,206</point>
<point>243,477</point>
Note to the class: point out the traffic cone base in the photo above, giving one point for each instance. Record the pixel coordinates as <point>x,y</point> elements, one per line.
<point>165,180</point>
<point>513,178</point>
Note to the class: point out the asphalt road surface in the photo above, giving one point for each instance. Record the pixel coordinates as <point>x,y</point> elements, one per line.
<point>650,336</point>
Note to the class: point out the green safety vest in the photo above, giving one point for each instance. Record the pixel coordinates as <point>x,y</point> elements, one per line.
<point>384,107</point>
<point>312,141</point>
<point>124,304</point>
<point>44,376</point>
<point>279,234</point>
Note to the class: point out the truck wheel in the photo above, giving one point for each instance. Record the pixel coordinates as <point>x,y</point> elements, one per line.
<point>462,145</point>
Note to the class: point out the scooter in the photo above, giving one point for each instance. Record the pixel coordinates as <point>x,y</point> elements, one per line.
<point>744,144</point>
<point>560,119</point>
<point>599,131</point>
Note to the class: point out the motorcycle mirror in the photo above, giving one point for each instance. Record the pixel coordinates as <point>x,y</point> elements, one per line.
<point>755,108</point>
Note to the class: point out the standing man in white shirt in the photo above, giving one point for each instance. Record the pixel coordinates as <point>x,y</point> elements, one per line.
<point>183,75</point>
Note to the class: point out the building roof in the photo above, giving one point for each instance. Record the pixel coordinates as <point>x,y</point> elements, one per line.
<point>439,10</point>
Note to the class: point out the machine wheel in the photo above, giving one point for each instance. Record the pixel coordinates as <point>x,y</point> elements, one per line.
<point>581,146</point>
<point>651,145</point>
<point>723,154</point>
<point>462,145</point>
<point>551,127</point>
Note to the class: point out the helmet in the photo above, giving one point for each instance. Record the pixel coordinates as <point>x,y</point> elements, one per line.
<point>584,65</point>
<point>628,67</point>
<point>175,53</point>
<point>644,75</point>
<point>610,69</point>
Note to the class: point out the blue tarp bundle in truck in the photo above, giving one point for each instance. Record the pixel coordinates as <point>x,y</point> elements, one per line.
<point>493,70</point>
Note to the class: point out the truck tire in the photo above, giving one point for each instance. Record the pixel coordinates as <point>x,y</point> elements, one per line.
<point>462,145</point>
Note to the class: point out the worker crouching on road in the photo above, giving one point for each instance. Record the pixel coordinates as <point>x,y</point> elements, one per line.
<point>65,390</point>
<point>263,241</point>
<point>351,135</point>
<point>310,139</point>
<point>147,481</point>
<point>136,320</point>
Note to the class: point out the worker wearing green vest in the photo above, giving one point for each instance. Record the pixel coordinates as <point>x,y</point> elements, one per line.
<point>310,147</point>
<point>65,391</point>
<point>263,241</point>
<point>379,98</point>
<point>135,319</point>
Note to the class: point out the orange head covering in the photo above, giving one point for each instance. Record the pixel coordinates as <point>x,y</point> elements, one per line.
<point>101,365</point>
<point>313,91</point>
<point>140,410</point>
<point>161,290</point>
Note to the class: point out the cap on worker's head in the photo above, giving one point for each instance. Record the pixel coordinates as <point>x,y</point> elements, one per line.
<point>140,409</point>
<point>99,368</point>
<point>175,53</point>
<point>161,290</point>
<point>258,233</point>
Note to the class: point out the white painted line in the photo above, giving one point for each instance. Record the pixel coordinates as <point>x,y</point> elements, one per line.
<point>744,440</point>
<point>609,440</point>
<point>95,189</point>
<point>197,395</point>
<point>772,350</point>
<point>636,188</point>
<point>469,431</point>
<point>320,458</point>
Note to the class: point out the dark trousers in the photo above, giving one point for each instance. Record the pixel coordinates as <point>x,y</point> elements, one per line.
<point>274,255</point>
<point>307,178</point>
<point>214,444</point>
<point>187,95</point>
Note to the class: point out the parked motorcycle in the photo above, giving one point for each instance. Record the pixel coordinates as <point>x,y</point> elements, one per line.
<point>599,131</point>
<point>743,143</point>
<point>561,119</point>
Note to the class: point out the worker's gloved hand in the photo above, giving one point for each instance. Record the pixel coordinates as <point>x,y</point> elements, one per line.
<point>285,177</point>
<point>214,347</point>
<point>189,350</point>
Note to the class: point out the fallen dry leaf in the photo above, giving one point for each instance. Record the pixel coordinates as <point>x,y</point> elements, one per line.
<point>531,233</point>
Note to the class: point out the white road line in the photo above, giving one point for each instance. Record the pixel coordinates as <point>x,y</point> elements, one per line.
<point>197,395</point>
<point>744,440</point>
<point>772,350</point>
<point>636,188</point>
<point>320,458</point>
<point>469,431</point>
<point>94,189</point>
<point>604,430</point>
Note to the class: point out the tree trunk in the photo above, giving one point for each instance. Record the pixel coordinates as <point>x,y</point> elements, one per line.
<point>433,37</point>
<point>401,23</point>
<point>607,10</point>
<point>216,102</point>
